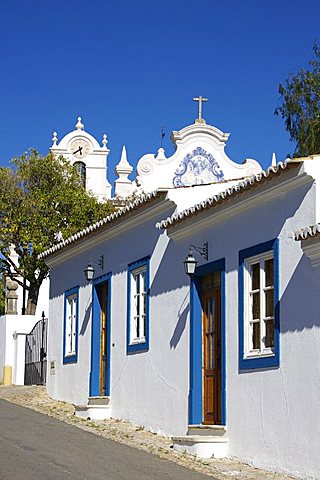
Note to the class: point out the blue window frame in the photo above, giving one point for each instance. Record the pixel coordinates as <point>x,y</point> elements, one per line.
<point>138,306</point>
<point>259,306</point>
<point>70,325</point>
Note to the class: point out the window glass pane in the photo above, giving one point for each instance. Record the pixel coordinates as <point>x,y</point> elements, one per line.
<point>134,284</point>
<point>144,304</point>
<point>209,334</point>
<point>255,335</point>
<point>269,340</point>
<point>269,294</point>
<point>72,334</point>
<point>208,326</point>
<point>143,326</point>
<point>209,353</point>
<point>137,278</point>
<point>255,276</point>
<point>256,305</point>
<point>142,281</point>
<point>213,322</point>
<point>268,265</point>
<point>73,307</point>
<point>81,171</point>
<point>216,280</point>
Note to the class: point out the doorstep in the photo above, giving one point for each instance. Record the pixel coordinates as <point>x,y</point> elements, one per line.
<point>97,408</point>
<point>204,441</point>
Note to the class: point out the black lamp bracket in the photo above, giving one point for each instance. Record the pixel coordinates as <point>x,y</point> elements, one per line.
<point>100,262</point>
<point>203,251</point>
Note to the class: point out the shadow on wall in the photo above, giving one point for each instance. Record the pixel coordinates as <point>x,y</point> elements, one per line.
<point>120,251</point>
<point>86,317</point>
<point>170,274</point>
<point>181,324</point>
<point>300,301</point>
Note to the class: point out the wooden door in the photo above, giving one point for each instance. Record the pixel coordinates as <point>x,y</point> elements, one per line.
<point>211,324</point>
<point>103,300</point>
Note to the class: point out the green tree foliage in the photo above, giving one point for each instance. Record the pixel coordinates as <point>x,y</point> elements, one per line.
<point>300,107</point>
<point>41,200</point>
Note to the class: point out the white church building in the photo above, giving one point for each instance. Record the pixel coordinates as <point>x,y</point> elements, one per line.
<point>193,311</point>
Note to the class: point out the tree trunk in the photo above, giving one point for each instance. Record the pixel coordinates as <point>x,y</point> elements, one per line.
<point>32,298</point>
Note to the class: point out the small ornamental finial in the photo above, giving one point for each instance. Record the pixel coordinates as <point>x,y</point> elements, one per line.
<point>104,140</point>
<point>79,125</point>
<point>123,185</point>
<point>274,160</point>
<point>124,166</point>
<point>200,100</point>
<point>161,155</point>
<point>54,139</point>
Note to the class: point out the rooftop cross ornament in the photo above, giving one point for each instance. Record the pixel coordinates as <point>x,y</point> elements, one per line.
<point>200,100</point>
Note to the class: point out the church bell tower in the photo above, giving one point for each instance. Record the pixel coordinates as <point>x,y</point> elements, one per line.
<point>90,159</point>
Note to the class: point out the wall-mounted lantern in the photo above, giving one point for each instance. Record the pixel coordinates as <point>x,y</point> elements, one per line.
<point>190,262</point>
<point>89,270</point>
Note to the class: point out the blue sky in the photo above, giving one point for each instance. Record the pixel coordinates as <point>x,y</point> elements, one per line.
<point>130,67</point>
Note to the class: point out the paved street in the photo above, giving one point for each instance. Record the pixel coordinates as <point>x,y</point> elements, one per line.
<point>34,446</point>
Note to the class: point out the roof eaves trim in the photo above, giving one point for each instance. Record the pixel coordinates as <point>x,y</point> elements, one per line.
<point>307,232</point>
<point>141,200</point>
<point>229,192</point>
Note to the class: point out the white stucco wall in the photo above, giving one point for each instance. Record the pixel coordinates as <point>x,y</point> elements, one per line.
<point>69,382</point>
<point>273,415</point>
<point>155,381</point>
<point>12,346</point>
<point>140,383</point>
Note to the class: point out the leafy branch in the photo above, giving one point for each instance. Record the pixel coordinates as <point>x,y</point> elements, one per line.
<point>300,107</point>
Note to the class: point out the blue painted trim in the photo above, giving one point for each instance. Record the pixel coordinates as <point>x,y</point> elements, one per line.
<point>141,346</point>
<point>223,347</point>
<point>95,337</point>
<point>102,279</point>
<point>272,360</point>
<point>70,358</point>
<point>195,393</point>
<point>196,380</point>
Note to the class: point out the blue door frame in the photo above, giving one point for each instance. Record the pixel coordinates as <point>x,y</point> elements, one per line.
<point>195,393</point>
<point>95,337</point>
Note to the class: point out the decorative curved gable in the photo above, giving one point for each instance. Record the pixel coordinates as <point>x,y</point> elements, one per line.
<point>199,159</point>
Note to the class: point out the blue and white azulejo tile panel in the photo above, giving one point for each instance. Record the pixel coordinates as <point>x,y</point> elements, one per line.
<point>198,168</point>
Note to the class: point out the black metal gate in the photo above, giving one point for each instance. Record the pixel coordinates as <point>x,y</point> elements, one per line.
<point>35,372</point>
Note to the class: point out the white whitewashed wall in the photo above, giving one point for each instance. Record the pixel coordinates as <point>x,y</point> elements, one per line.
<point>273,416</point>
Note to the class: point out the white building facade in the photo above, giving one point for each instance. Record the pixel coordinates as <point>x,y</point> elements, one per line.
<point>224,361</point>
